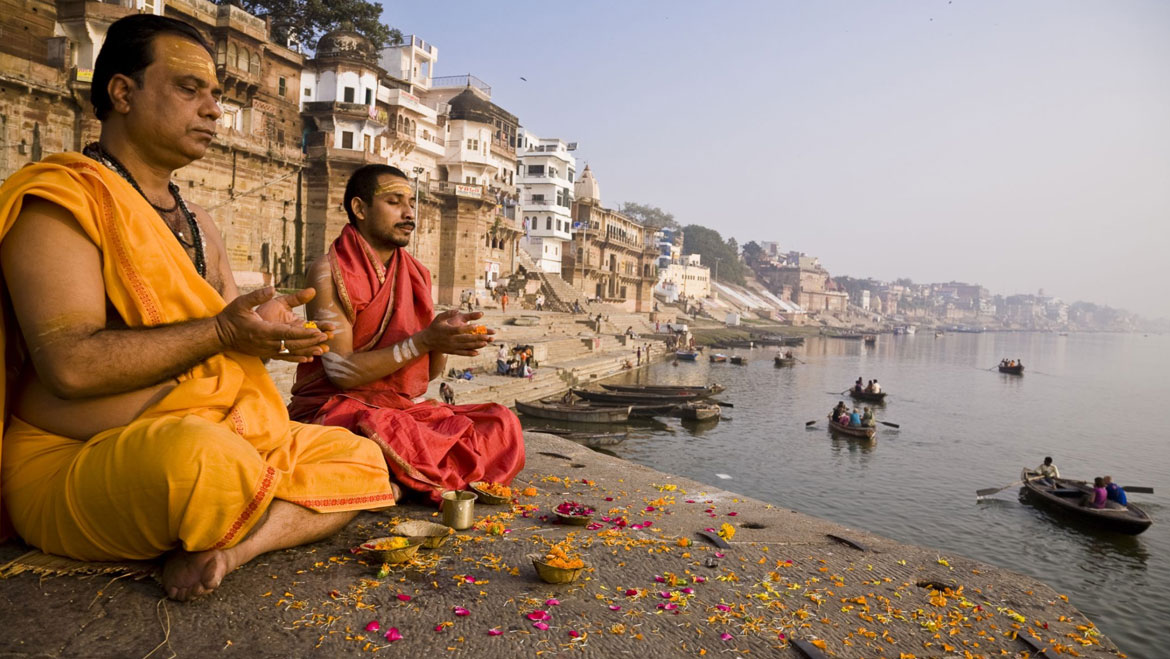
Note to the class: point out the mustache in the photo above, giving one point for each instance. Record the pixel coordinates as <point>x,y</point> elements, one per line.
<point>405,224</point>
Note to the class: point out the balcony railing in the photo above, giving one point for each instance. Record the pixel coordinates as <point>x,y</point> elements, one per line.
<point>420,44</point>
<point>461,81</point>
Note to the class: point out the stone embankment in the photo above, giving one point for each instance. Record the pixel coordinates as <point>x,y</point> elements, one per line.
<point>785,584</point>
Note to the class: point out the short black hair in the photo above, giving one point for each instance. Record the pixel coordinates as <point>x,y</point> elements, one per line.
<point>129,49</point>
<point>362,184</point>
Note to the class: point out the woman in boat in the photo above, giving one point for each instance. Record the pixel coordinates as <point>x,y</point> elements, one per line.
<point>855,418</point>
<point>867,419</point>
<point>1098,498</point>
<point>839,410</point>
<point>857,385</point>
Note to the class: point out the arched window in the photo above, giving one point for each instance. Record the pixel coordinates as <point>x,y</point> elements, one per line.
<point>548,223</point>
<point>242,59</point>
<point>232,54</point>
<point>220,53</point>
<point>254,68</point>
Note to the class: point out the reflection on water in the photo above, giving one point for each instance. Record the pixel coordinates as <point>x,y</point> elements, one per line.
<point>964,426</point>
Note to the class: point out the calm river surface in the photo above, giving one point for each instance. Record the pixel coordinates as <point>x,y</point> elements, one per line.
<point>1092,401</point>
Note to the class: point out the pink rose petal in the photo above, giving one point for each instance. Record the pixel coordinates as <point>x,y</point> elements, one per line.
<point>403,597</point>
<point>723,607</point>
<point>690,500</point>
<point>393,635</point>
<point>574,634</point>
<point>469,579</point>
<point>689,591</point>
<point>539,615</point>
<point>439,628</point>
<point>614,607</point>
<point>494,632</point>
<point>552,602</point>
<point>659,578</point>
<point>700,579</point>
<point>732,514</point>
<point>726,637</point>
<point>664,594</point>
<point>709,530</point>
<point>460,611</point>
<point>609,498</point>
<point>719,554</point>
<point>540,625</point>
<point>650,509</point>
<point>630,592</point>
<point>373,626</point>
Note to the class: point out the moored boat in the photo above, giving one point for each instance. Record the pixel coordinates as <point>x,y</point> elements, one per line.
<point>868,396</point>
<point>717,358</point>
<point>860,432</point>
<point>687,355</point>
<point>1066,496</point>
<point>590,439</point>
<point>784,361</point>
<point>870,339</point>
<point>736,359</point>
<point>577,413</point>
<point>669,389</point>
<point>640,398</point>
<point>699,411</point>
<point>1018,369</point>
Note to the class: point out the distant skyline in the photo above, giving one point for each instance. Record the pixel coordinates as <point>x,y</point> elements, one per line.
<point>1019,145</point>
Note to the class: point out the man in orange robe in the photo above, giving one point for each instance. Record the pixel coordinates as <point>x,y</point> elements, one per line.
<point>389,345</point>
<point>138,418</point>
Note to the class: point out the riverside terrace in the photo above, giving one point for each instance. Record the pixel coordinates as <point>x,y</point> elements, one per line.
<point>787,585</point>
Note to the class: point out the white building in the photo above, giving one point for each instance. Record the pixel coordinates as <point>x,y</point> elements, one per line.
<point>415,142</point>
<point>545,171</point>
<point>687,279</point>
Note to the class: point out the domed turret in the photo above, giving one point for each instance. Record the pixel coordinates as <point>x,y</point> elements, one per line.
<point>586,187</point>
<point>470,106</point>
<point>345,41</point>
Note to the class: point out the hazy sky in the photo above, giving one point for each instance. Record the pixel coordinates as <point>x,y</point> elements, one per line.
<point>1019,144</point>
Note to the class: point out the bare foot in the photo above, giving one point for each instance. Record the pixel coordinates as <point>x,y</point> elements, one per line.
<point>189,575</point>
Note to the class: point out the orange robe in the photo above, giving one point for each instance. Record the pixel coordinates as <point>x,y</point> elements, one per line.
<point>198,468</point>
<point>430,447</point>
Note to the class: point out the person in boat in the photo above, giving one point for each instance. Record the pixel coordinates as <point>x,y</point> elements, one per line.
<point>876,388</point>
<point>1099,497</point>
<point>390,344</point>
<point>1048,472</point>
<point>138,419</point>
<point>855,418</point>
<point>867,419</point>
<point>1115,492</point>
<point>789,355</point>
<point>857,385</point>
<point>838,410</point>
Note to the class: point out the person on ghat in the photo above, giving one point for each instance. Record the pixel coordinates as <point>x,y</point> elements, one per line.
<point>389,344</point>
<point>142,421</point>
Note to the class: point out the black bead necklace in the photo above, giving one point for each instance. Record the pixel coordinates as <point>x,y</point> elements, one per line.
<point>94,150</point>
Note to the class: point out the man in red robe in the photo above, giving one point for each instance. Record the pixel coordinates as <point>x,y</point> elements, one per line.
<point>389,344</point>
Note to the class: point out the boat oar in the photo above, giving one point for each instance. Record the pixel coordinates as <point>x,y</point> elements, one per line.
<point>810,423</point>
<point>1140,490</point>
<point>720,403</point>
<point>887,423</point>
<point>992,490</point>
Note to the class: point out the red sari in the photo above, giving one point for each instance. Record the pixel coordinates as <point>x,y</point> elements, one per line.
<point>429,447</point>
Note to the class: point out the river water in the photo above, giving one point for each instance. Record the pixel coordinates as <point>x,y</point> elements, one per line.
<point>1091,401</point>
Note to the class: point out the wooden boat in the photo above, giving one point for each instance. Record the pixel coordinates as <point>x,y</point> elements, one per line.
<point>698,411</point>
<point>784,361</point>
<point>742,361</point>
<point>687,355</point>
<point>577,413</point>
<point>1065,496</point>
<point>717,358</point>
<point>638,398</point>
<point>868,396</point>
<point>862,432</point>
<point>847,337</point>
<point>870,339</point>
<point>669,389</point>
<point>1012,370</point>
<point>590,439</point>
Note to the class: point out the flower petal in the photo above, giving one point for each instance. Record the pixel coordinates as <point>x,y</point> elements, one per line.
<point>574,633</point>
<point>494,632</point>
<point>393,635</point>
<point>723,607</point>
<point>540,625</point>
<point>725,636</point>
<point>460,611</point>
<point>630,592</point>
<point>614,607</point>
<point>373,626</point>
<point>552,601</point>
<point>403,597</point>
<point>539,615</point>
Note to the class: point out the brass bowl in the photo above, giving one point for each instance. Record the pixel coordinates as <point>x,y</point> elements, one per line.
<point>551,574</point>
<point>575,520</point>
<point>432,535</point>
<point>487,497</point>
<point>400,555</point>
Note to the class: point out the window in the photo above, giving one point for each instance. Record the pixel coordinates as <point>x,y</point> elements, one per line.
<point>538,199</point>
<point>281,86</point>
<point>308,92</point>
<point>348,94</point>
<point>346,139</point>
<point>472,145</point>
<point>536,170</point>
<point>548,224</point>
<point>369,97</point>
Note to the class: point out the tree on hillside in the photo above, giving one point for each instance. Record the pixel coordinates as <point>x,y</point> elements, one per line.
<point>721,257</point>
<point>753,254</point>
<point>307,20</point>
<point>647,215</point>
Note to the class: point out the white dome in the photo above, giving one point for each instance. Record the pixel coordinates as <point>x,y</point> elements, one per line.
<point>586,187</point>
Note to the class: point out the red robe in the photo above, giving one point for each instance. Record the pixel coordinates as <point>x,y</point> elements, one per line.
<point>430,447</point>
